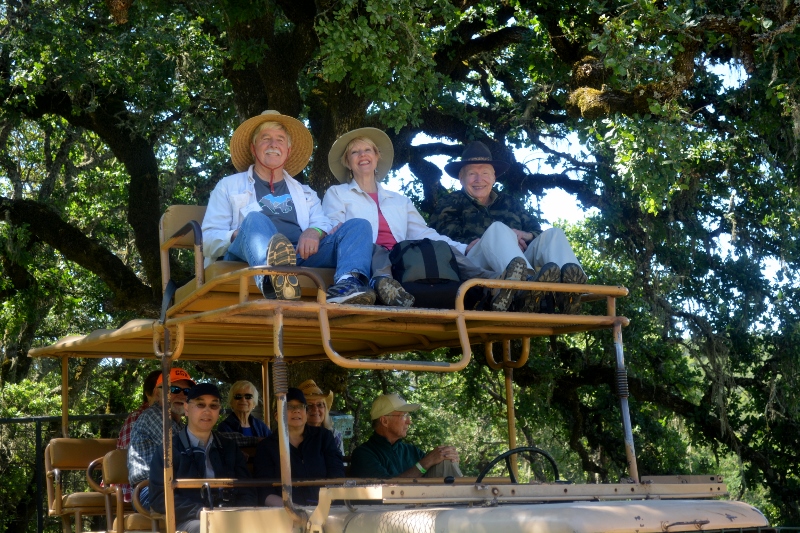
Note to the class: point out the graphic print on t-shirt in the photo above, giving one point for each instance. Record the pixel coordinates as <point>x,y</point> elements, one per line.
<point>277,204</point>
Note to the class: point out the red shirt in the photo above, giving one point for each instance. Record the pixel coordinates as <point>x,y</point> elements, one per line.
<point>385,237</point>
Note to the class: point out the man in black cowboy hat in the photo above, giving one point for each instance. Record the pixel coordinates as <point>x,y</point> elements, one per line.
<point>263,216</point>
<point>499,229</point>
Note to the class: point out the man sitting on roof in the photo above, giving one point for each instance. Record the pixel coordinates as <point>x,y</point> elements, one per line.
<point>265,217</point>
<point>147,433</point>
<point>385,455</point>
<point>498,230</point>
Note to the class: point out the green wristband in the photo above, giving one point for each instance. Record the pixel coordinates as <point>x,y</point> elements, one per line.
<point>421,469</point>
<point>321,233</point>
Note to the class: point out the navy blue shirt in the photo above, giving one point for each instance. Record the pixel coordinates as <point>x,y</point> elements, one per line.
<point>317,457</point>
<point>232,425</point>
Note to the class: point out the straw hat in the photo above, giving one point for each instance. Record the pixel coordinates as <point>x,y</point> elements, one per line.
<point>312,392</point>
<point>375,135</point>
<point>476,153</point>
<point>302,143</point>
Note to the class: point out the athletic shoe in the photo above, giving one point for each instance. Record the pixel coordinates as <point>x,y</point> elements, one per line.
<point>280,252</point>
<point>391,292</point>
<point>569,303</point>
<point>501,298</point>
<point>350,291</point>
<point>531,301</point>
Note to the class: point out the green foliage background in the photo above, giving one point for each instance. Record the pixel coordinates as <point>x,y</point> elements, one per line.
<point>112,110</point>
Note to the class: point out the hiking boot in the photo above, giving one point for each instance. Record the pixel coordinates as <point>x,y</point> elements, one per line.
<point>391,292</point>
<point>280,252</point>
<point>569,303</point>
<point>501,298</point>
<point>350,291</point>
<point>531,301</point>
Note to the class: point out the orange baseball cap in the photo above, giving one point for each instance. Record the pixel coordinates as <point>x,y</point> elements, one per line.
<point>176,374</point>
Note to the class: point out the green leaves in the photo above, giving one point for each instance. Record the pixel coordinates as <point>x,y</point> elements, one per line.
<point>384,51</point>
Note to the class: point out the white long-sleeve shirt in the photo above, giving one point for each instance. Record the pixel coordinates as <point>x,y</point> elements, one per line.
<point>348,200</point>
<point>234,198</point>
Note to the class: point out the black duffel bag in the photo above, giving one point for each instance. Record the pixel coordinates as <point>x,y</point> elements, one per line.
<point>428,271</point>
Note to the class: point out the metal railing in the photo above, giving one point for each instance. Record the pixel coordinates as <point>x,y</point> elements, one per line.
<point>40,441</point>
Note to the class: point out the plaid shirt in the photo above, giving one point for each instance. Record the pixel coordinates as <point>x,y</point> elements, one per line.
<point>464,219</point>
<point>147,437</point>
<point>124,441</point>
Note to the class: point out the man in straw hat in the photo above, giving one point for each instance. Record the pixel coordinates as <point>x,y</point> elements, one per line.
<point>385,455</point>
<point>499,229</point>
<point>263,216</point>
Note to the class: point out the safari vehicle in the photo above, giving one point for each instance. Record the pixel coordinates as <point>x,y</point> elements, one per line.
<point>221,315</point>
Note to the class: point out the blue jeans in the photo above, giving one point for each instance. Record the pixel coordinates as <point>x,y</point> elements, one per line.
<point>349,250</point>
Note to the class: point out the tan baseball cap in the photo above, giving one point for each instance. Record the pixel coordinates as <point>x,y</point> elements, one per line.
<point>387,403</point>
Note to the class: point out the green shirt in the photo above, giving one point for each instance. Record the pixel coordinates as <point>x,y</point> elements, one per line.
<point>464,219</point>
<point>376,458</point>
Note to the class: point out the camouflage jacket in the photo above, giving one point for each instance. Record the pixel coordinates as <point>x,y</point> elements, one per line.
<point>463,219</point>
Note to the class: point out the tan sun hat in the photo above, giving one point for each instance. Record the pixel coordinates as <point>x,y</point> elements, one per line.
<point>302,143</point>
<point>313,392</point>
<point>381,140</point>
<point>387,403</point>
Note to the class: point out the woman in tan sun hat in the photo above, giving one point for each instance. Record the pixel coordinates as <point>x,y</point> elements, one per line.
<point>360,159</point>
<point>319,409</point>
<point>263,216</point>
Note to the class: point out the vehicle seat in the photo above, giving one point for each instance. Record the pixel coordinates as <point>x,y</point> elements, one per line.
<point>175,219</point>
<point>63,455</point>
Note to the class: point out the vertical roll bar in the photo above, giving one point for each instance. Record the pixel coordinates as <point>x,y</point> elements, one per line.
<point>280,377</point>
<point>64,397</point>
<point>166,441</point>
<point>622,391</point>
<point>265,391</point>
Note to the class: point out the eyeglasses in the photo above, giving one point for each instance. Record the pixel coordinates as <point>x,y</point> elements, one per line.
<point>174,389</point>
<point>318,405</point>
<point>406,416</point>
<point>203,406</point>
<point>296,407</point>
<point>240,396</point>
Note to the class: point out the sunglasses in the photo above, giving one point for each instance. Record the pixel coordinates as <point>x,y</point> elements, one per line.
<point>174,389</point>
<point>240,396</point>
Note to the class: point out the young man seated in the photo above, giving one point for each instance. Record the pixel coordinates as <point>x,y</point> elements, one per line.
<point>198,452</point>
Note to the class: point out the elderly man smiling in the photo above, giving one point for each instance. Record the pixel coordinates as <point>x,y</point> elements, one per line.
<point>499,229</point>
<point>385,455</point>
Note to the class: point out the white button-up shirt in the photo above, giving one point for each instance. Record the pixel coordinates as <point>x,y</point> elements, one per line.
<point>346,201</point>
<point>234,198</point>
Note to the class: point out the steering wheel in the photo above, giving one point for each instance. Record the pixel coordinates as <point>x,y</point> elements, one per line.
<point>508,454</point>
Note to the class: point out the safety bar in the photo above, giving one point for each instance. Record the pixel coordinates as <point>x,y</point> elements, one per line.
<point>199,268</point>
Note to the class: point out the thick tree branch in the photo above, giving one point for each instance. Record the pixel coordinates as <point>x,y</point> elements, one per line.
<point>129,291</point>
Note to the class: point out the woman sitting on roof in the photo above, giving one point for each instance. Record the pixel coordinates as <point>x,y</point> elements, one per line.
<point>360,159</point>
<point>313,455</point>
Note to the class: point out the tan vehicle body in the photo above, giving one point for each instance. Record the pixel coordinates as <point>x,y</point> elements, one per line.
<point>220,315</point>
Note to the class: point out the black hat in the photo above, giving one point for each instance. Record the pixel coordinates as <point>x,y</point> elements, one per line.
<point>296,394</point>
<point>476,153</point>
<point>202,389</point>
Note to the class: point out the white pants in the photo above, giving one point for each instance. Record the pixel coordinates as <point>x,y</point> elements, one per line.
<point>499,245</point>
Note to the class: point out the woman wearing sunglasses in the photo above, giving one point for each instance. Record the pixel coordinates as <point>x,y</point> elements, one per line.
<point>242,399</point>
